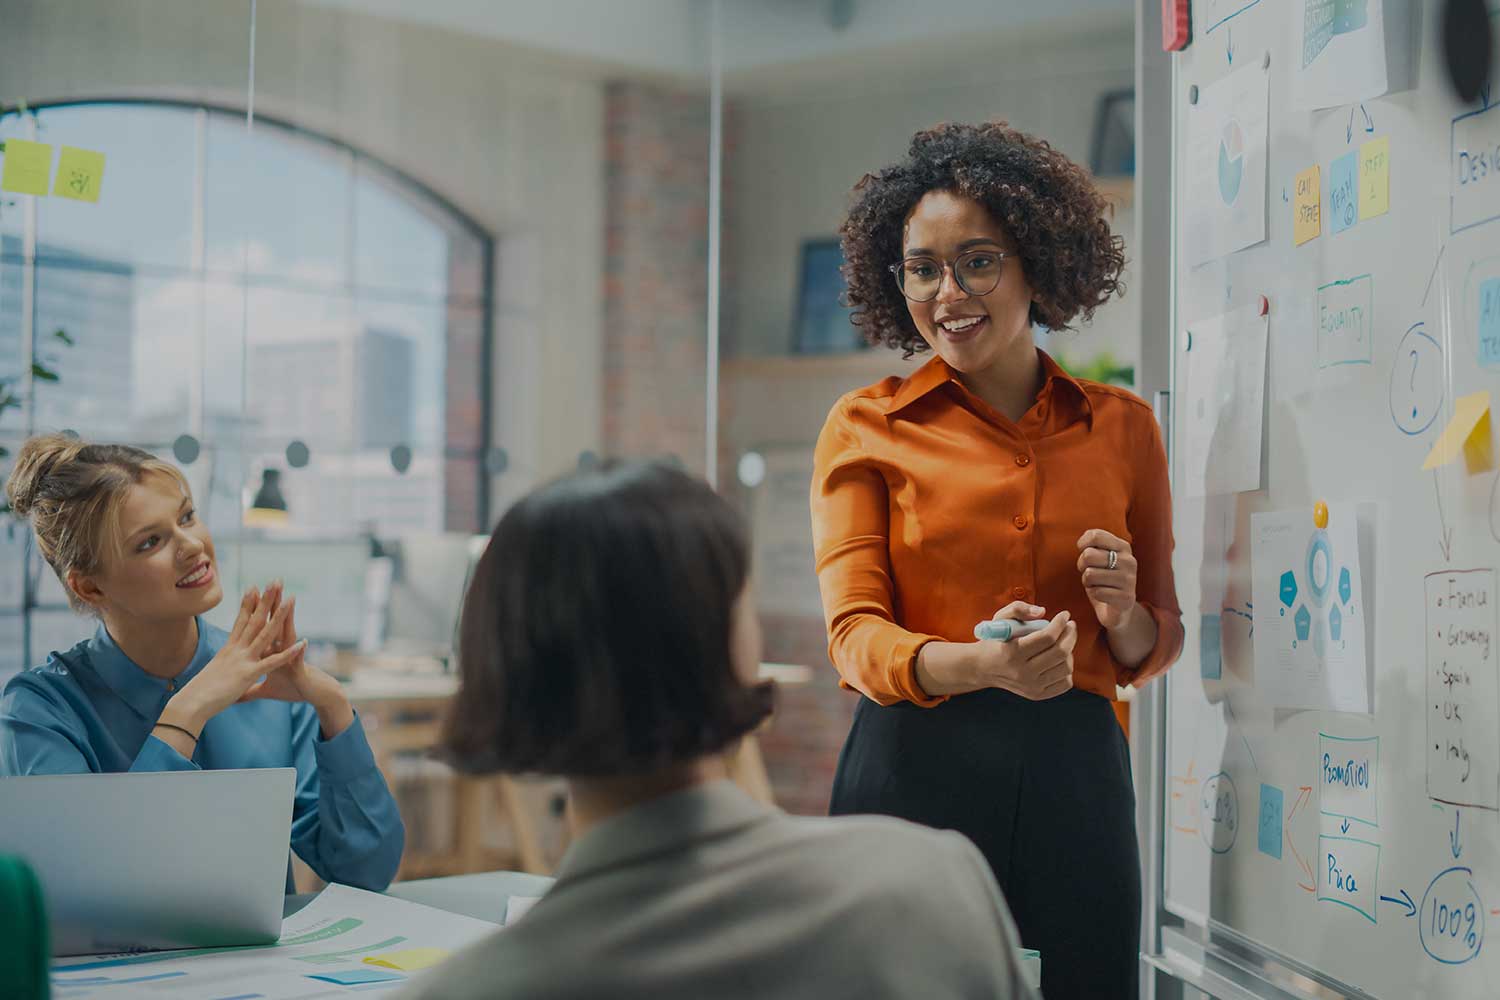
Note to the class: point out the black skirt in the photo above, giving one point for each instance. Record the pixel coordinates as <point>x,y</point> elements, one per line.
<point>1044,790</point>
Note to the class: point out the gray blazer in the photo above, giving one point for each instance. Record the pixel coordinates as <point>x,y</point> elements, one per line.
<point>706,893</point>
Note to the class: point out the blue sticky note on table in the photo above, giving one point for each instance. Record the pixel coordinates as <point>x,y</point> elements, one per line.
<point>357,977</point>
<point>1210,653</point>
<point>1343,192</point>
<point>1270,821</point>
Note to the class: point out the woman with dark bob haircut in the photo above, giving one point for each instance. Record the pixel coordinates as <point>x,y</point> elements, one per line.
<point>990,484</point>
<point>607,636</point>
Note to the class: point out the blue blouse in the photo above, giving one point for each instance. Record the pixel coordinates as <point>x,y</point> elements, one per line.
<point>91,709</point>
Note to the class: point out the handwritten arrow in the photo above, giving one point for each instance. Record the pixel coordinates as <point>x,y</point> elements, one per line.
<point>1248,614</point>
<point>1454,840</point>
<point>1345,827</point>
<point>1484,93</point>
<point>1369,123</point>
<point>1283,195</point>
<point>1445,540</point>
<point>1405,900</point>
<point>1349,132</point>
<point>1311,884</point>
<point>1229,45</point>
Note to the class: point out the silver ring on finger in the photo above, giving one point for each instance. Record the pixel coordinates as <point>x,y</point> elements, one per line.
<point>1114,559</point>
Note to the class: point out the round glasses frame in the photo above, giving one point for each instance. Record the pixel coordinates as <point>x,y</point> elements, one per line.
<point>896,270</point>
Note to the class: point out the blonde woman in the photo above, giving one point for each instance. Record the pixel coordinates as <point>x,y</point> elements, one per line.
<point>159,689</point>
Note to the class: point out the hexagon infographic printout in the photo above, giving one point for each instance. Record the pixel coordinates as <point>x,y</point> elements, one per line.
<point>1309,610</point>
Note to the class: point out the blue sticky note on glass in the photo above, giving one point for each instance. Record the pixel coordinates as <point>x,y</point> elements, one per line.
<point>1270,821</point>
<point>357,977</point>
<point>1343,192</point>
<point>1210,653</point>
<point>1489,322</point>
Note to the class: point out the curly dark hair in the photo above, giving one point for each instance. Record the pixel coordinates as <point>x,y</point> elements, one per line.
<point>1046,202</point>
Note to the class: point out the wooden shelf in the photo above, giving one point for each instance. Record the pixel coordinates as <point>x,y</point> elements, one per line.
<point>1118,191</point>
<point>869,366</point>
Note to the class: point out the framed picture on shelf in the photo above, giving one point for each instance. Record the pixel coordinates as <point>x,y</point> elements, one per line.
<point>822,325</point>
<point>1112,152</point>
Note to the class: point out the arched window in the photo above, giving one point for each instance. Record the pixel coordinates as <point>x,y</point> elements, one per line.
<point>264,297</point>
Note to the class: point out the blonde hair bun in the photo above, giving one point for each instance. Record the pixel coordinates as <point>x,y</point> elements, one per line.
<point>39,456</point>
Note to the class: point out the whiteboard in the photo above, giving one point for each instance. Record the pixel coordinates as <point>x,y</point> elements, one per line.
<point>1358,865</point>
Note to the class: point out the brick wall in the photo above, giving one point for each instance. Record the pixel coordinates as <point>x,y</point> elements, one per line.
<point>655,305</point>
<point>655,271</point>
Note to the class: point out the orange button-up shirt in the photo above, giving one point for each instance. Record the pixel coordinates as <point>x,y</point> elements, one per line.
<point>931,511</point>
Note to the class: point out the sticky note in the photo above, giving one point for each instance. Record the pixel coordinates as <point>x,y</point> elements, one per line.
<point>1307,206</point>
<point>1210,653</point>
<point>80,172</point>
<point>1375,177</point>
<point>1343,192</point>
<point>357,977</point>
<point>1270,821</point>
<point>1489,322</point>
<point>27,167</point>
<point>1468,433</point>
<point>409,960</point>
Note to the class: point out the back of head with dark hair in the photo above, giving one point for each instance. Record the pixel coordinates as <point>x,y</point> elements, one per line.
<point>596,632</point>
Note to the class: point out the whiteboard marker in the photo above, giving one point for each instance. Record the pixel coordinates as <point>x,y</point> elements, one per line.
<point>1004,630</point>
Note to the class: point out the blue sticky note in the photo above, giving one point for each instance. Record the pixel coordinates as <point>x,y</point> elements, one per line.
<point>357,977</point>
<point>1270,821</point>
<point>1343,192</point>
<point>1489,322</point>
<point>1210,653</point>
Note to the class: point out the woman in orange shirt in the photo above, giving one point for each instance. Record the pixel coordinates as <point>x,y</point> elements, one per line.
<point>990,479</point>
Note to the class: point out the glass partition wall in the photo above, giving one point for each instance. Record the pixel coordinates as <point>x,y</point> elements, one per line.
<point>368,270</point>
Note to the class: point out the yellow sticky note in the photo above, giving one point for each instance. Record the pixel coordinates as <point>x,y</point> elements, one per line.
<point>1307,207</point>
<point>28,167</point>
<point>80,172</point>
<point>1467,433</point>
<point>409,960</point>
<point>1375,177</point>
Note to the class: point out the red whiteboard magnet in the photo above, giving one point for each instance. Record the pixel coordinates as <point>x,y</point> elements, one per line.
<point>1174,25</point>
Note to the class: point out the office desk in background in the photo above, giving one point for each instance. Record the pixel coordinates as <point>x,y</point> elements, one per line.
<point>403,711</point>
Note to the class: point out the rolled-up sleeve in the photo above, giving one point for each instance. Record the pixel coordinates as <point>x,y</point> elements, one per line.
<point>345,823</point>
<point>1150,522</point>
<point>851,524</point>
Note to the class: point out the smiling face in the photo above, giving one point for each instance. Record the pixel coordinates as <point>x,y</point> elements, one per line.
<point>164,567</point>
<point>970,332</point>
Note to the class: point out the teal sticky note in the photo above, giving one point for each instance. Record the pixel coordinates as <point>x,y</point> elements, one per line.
<point>1270,821</point>
<point>1317,28</point>
<point>1489,322</point>
<point>1210,651</point>
<point>1343,192</point>
<point>357,977</point>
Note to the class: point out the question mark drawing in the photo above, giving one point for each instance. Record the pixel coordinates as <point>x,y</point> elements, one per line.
<point>1413,382</point>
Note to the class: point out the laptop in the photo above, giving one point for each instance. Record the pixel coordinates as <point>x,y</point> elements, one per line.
<point>142,862</point>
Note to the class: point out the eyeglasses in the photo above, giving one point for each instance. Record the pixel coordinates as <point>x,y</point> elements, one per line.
<point>976,271</point>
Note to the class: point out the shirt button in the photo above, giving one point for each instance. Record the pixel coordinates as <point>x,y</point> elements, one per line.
<point>1019,593</point>
<point>1023,460</point>
<point>1020,521</point>
<point>171,685</point>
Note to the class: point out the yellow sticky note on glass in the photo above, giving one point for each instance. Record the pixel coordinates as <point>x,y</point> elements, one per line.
<point>1307,207</point>
<point>1468,434</point>
<point>409,960</point>
<point>79,174</point>
<point>27,167</point>
<point>1375,177</point>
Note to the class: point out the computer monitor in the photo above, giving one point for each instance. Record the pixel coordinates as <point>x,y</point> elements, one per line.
<point>327,576</point>
<point>431,575</point>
